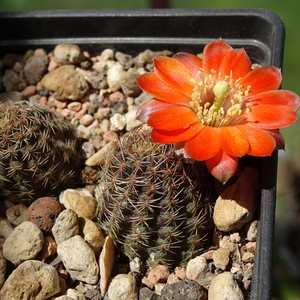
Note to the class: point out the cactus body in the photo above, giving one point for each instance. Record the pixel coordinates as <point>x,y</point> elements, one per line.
<point>154,203</point>
<point>38,155</point>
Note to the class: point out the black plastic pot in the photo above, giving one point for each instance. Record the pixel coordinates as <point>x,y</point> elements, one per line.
<point>259,31</point>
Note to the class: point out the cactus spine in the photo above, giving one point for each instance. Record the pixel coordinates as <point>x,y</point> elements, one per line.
<point>154,203</point>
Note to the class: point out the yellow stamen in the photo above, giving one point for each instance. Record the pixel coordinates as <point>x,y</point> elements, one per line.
<point>219,101</point>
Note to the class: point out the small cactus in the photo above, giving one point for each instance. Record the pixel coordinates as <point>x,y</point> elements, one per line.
<point>38,155</point>
<point>154,203</point>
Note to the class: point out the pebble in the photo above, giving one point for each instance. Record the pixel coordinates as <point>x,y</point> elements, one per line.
<point>31,280</point>
<point>43,213</point>
<point>79,260</point>
<point>196,268</point>
<point>6,228</point>
<point>118,121</point>
<point>75,106</point>
<point>81,201</point>
<point>237,204</point>
<point>129,84</point>
<point>123,287</point>
<point>35,68</point>
<point>113,76</point>
<point>106,262</point>
<point>12,81</point>
<point>183,290</point>
<point>86,120</point>
<point>99,157</point>
<point>2,269</point>
<point>13,96</point>
<point>131,121</point>
<point>68,54</point>
<point>29,91</point>
<point>66,226</point>
<point>252,231</point>
<point>65,83</point>
<point>17,214</point>
<point>93,235</point>
<point>156,275</point>
<point>24,243</point>
<point>73,294</point>
<point>221,258</point>
<point>49,249</point>
<point>226,283</point>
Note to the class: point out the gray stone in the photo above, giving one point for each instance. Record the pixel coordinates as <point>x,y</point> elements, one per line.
<point>31,280</point>
<point>79,260</point>
<point>129,84</point>
<point>12,81</point>
<point>183,290</point>
<point>24,243</point>
<point>65,226</point>
<point>224,287</point>
<point>35,68</point>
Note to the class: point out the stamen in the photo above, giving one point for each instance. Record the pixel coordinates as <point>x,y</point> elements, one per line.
<point>219,101</point>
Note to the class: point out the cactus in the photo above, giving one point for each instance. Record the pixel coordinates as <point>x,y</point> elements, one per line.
<point>38,155</point>
<point>156,205</point>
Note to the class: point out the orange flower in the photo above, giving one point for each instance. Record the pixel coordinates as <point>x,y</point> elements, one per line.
<point>217,109</point>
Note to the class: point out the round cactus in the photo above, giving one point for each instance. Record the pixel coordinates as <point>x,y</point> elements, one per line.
<point>154,203</point>
<point>38,152</point>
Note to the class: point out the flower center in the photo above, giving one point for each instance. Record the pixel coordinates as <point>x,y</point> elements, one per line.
<point>219,101</point>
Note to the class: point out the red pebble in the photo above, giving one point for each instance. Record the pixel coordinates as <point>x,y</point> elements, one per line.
<point>43,213</point>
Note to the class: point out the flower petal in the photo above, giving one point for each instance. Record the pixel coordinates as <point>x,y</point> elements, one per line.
<point>279,97</point>
<point>271,116</point>
<point>192,62</point>
<point>235,63</point>
<point>277,137</point>
<point>172,118</point>
<point>204,145</point>
<point>177,135</point>
<point>261,143</point>
<point>233,141</point>
<point>174,74</point>
<point>150,107</point>
<point>222,166</point>
<point>151,84</point>
<point>262,80</point>
<point>213,54</point>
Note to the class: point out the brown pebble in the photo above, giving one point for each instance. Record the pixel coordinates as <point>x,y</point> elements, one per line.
<point>86,120</point>
<point>61,104</point>
<point>29,91</point>
<point>208,255</point>
<point>116,96</point>
<point>158,274</point>
<point>39,51</point>
<point>44,100</point>
<point>110,136</point>
<point>81,113</point>
<point>52,64</point>
<point>43,213</point>
<point>68,114</point>
<point>49,249</point>
<point>181,273</point>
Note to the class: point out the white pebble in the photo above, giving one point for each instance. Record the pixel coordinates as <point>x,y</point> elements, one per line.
<point>118,121</point>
